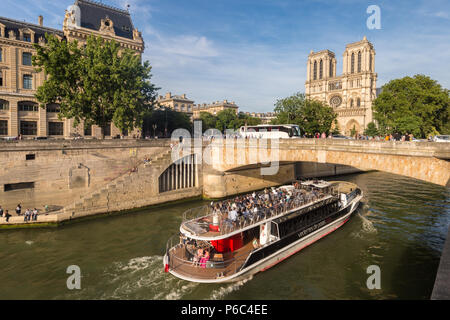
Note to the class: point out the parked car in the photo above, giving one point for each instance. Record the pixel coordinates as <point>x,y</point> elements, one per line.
<point>10,138</point>
<point>442,138</point>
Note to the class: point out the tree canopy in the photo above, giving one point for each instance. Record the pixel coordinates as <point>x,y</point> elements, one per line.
<point>227,119</point>
<point>371,130</point>
<point>156,122</point>
<point>310,115</point>
<point>97,83</point>
<point>417,105</point>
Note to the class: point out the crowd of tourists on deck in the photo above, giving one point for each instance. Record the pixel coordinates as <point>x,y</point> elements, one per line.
<point>28,215</point>
<point>259,204</point>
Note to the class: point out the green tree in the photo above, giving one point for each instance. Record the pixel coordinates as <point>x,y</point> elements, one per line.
<point>417,105</point>
<point>371,130</point>
<point>336,129</point>
<point>245,119</point>
<point>156,122</point>
<point>97,83</point>
<point>311,115</point>
<point>208,120</point>
<point>226,119</point>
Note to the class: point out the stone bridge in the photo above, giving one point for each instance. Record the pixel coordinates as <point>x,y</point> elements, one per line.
<point>230,165</point>
<point>90,177</point>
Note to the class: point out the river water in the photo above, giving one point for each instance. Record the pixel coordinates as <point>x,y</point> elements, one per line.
<point>401,227</point>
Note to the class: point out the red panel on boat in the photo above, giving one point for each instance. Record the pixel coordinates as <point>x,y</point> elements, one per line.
<point>229,244</point>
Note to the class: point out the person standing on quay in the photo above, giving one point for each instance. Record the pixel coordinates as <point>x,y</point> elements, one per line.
<point>7,215</point>
<point>18,209</point>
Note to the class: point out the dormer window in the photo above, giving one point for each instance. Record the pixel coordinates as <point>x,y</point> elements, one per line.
<point>27,37</point>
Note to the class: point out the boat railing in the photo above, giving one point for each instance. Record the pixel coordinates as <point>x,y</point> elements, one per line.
<point>196,213</point>
<point>181,259</point>
<point>203,216</point>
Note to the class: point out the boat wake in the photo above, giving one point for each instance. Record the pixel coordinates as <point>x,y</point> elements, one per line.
<point>367,227</point>
<point>144,278</point>
<point>220,293</point>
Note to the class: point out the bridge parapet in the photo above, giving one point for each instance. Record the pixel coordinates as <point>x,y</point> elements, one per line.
<point>428,161</point>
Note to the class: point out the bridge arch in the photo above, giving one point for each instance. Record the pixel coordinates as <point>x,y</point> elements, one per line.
<point>422,160</point>
<point>181,174</point>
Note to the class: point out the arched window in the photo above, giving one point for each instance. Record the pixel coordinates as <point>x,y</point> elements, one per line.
<point>28,106</point>
<point>359,61</point>
<point>331,68</point>
<point>370,62</point>
<point>315,71</point>
<point>1,79</point>
<point>1,55</point>
<point>351,103</point>
<point>352,70</point>
<point>321,70</point>
<point>358,102</point>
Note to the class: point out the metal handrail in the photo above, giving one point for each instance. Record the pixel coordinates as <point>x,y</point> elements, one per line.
<point>216,264</point>
<point>227,226</point>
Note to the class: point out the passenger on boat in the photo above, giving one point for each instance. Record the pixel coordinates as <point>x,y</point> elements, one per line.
<point>232,215</point>
<point>255,243</point>
<point>205,258</point>
<point>197,258</point>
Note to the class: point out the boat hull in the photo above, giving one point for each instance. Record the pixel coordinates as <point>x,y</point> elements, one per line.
<point>283,253</point>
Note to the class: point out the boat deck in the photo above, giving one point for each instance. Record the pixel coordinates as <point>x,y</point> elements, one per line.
<point>182,266</point>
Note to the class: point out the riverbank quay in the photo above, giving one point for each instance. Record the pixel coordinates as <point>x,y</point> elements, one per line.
<point>58,219</point>
<point>441,289</point>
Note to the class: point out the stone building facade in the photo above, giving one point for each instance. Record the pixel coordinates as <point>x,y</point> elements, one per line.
<point>178,103</point>
<point>265,117</point>
<point>214,108</point>
<point>350,94</point>
<point>20,113</point>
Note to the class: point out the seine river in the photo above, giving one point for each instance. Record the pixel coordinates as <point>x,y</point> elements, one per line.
<point>400,226</point>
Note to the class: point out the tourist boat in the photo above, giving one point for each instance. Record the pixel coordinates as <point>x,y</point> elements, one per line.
<point>302,213</point>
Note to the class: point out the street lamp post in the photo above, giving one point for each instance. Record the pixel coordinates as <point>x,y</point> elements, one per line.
<point>154,130</point>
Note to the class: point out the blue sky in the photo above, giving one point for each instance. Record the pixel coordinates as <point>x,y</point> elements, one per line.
<point>254,52</point>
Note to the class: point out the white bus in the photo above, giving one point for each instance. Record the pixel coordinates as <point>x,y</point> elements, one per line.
<point>270,131</point>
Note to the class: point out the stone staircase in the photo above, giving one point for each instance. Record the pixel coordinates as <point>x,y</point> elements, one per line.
<point>109,197</point>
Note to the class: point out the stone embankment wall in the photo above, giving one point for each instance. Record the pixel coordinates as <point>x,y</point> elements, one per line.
<point>79,178</point>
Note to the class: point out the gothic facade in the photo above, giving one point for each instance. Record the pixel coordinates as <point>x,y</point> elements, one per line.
<point>350,94</point>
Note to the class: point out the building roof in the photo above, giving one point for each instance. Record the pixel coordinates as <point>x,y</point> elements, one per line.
<point>93,12</point>
<point>170,97</point>
<point>39,31</point>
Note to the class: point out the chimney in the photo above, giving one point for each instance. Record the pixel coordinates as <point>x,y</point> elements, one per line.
<point>41,20</point>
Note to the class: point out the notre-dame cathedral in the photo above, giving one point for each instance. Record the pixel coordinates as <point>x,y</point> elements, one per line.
<point>350,94</point>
